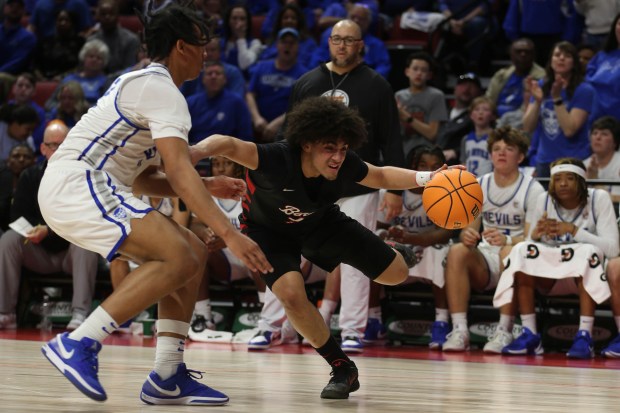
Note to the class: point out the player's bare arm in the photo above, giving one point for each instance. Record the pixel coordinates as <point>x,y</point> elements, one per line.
<point>241,152</point>
<point>186,182</point>
<point>470,235</point>
<point>391,177</point>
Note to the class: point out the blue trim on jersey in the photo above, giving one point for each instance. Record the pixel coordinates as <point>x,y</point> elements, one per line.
<point>415,206</point>
<point>130,123</point>
<point>113,151</point>
<point>511,196</point>
<point>594,217</point>
<point>112,253</point>
<point>94,141</point>
<point>527,192</point>
<point>123,203</point>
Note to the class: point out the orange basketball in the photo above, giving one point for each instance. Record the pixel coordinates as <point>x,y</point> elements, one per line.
<point>452,199</point>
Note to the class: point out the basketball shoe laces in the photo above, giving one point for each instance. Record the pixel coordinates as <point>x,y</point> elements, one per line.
<point>89,356</point>
<point>341,373</point>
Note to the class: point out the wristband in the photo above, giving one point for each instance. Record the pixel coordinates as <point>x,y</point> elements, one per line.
<point>508,240</point>
<point>558,102</point>
<point>422,178</point>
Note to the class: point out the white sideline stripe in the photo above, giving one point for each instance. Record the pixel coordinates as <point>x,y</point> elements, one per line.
<point>64,368</point>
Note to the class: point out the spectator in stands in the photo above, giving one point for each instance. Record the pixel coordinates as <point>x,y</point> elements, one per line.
<point>506,87</point>
<point>43,18</point>
<point>122,44</point>
<point>337,10</point>
<point>559,109</point>
<point>603,74</point>
<point>476,261</point>
<point>430,243</point>
<point>71,104</point>
<point>23,91</point>
<point>20,158</point>
<point>17,45</point>
<point>235,82</point>
<point>421,108</point>
<point>375,52</point>
<point>17,122</point>
<point>291,16</point>
<point>94,57</point>
<point>474,146</point>
<point>42,250</point>
<point>541,21</point>
<point>238,46</point>
<point>270,87</point>
<point>222,265</point>
<point>473,21</point>
<point>459,124</point>
<point>216,109</point>
<point>395,7</point>
<point>57,55</point>
<point>304,12</point>
<point>599,16</point>
<point>604,163</point>
<point>575,232</point>
<point>585,52</point>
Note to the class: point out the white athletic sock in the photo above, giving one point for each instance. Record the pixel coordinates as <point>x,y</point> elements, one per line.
<point>168,355</point>
<point>586,322</point>
<point>261,297</point>
<point>375,312</point>
<point>459,322</point>
<point>529,321</point>
<point>97,326</point>
<point>617,318</point>
<point>442,314</point>
<point>506,322</point>
<point>327,310</point>
<point>203,307</point>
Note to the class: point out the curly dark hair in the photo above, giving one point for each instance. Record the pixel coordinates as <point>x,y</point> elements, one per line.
<point>416,153</point>
<point>178,21</point>
<point>301,23</point>
<point>510,136</point>
<point>321,119</point>
<point>582,187</point>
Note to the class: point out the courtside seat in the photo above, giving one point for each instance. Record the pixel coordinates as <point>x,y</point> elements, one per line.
<point>43,90</point>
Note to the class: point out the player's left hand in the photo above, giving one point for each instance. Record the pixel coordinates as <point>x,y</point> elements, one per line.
<point>392,204</point>
<point>225,187</point>
<point>494,237</point>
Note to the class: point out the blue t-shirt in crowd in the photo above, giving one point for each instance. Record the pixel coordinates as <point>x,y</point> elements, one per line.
<point>603,74</point>
<point>272,87</point>
<point>304,55</point>
<point>45,11</point>
<point>235,82</point>
<point>93,87</point>
<point>16,47</point>
<point>225,113</point>
<point>511,96</point>
<point>552,143</point>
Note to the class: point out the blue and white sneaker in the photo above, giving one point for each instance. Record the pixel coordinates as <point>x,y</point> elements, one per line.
<point>77,360</point>
<point>613,348</point>
<point>439,331</point>
<point>526,343</point>
<point>182,388</point>
<point>375,332</point>
<point>583,347</point>
<point>262,340</point>
<point>352,344</point>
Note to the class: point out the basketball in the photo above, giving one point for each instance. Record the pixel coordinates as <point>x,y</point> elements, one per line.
<point>452,199</point>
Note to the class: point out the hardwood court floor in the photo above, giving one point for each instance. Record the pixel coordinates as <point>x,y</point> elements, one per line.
<point>288,379</point>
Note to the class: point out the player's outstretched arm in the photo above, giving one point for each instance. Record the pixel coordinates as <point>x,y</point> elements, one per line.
<point>237,150</point>
<point>188,185</point>
<point>391,177</point>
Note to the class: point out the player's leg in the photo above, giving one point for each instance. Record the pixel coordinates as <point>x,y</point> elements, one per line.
<point>583,345</point>
<point>82,265</point>
<point>466,268</point>
<point>612,350</point>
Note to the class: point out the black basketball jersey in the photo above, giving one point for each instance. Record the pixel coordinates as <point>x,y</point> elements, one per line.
<point>280,198</point>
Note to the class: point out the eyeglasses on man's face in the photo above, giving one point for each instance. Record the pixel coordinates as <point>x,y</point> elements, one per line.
<point>348,41</point>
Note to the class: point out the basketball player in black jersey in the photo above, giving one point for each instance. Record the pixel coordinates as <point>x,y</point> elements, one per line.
<point>289,210</point>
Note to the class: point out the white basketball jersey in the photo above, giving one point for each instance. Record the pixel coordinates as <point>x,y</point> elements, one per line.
<point>413,217</point>
<point>505,208</point>
<point>477,157</point>
<point>232,209</point>
<point>117,135</point>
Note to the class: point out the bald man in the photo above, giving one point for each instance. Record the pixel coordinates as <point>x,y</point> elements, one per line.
<point>41,250</point>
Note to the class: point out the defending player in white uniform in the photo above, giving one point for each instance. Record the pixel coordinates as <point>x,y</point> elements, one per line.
<point>475,262</point>
<point>575,232</point>
<point>86,196</point>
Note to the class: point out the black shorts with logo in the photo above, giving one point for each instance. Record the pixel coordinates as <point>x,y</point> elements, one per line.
<point>336,239</point>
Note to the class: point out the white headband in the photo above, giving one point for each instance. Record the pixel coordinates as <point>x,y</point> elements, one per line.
<point>568,168</point>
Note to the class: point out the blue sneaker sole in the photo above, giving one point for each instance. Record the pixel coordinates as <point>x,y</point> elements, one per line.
<point>61,366</point>
<point>187,400</point>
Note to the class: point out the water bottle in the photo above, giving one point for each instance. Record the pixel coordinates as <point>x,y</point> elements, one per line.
<point>46,310</point>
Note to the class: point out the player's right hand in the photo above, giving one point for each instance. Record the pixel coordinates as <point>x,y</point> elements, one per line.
<point>249,252</point>
<point>470,237</point>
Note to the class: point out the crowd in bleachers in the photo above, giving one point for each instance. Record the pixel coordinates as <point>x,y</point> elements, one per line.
<point>460,70</point>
